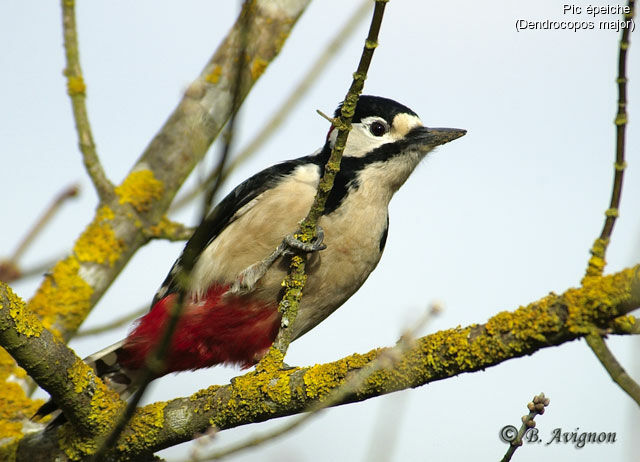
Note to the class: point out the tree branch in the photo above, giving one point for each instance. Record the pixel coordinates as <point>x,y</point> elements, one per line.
<point>286,108</point>
<point>118,230</point>
<point>613,367</point>
<point>85,400</point>
<point>76,88</point>
<point>598,250</point>
<point>296,278</point>
<point>76,283</point>
<point>265,394</point>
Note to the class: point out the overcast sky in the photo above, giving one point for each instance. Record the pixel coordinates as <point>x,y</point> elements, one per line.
<point>505,215</point>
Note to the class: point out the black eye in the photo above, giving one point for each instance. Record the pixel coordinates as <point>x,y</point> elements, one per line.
<point>378,128</point>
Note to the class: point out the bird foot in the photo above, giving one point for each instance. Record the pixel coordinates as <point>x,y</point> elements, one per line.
<point>249,277</point>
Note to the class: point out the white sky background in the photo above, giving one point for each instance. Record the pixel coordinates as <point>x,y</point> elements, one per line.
<point>489,222</point>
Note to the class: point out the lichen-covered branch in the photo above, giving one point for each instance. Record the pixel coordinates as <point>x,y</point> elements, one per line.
<point>599,249</point>
<point>76,88</point>
<point>119,227</point>
<point>296,278</point>
<point>170,230</point>
<point>85,399</point>
<point>286,107</point>
<point>269,393</point>
<point>121,223</point>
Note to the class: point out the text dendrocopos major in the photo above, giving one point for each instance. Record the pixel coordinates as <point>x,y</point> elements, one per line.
<point>224,323</point>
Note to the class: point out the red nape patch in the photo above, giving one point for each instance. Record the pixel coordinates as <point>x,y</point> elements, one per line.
<point>211,331</point>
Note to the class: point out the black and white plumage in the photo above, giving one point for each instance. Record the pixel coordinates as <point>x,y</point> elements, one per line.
<point>220,325</point>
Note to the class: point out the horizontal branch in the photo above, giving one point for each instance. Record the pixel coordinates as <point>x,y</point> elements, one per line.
<point>73,385</point>
<point>260,396</point>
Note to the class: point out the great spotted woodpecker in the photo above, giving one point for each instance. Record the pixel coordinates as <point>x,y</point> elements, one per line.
<point>230,310</point>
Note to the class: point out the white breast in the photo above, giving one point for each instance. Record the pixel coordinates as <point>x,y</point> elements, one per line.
<point>352,236</point>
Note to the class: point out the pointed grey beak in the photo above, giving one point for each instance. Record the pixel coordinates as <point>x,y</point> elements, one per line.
<point>433,137</point>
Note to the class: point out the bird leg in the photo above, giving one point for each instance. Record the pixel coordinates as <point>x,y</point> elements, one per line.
<point>249,277</point>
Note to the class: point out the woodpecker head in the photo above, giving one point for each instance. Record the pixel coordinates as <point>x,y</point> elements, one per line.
<point>387,141</point>
<point>380,121</point>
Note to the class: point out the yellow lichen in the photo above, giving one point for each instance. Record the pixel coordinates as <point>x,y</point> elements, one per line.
<point>98,243</point>
<point>322,378</point>
<point>214,75</point>
<point>9,451</point>
<point>103,411</point>
<point>625,323</point>
<point>76,85</point>
<point>63,294</point>
<point>144,427</point>
<point>271,362</point>
<point>15,405</point>
<point>75,446</point>
<point>257,67</point>
<point>78,375</point>
<point>139,189</point>
<point>25,321</point>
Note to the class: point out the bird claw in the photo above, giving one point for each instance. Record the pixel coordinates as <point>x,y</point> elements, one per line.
<point>249,277</point>
<point>314,246</point>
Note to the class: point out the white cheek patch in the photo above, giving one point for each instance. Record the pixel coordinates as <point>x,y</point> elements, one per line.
<point>361,141</point>
<point>403,124</point>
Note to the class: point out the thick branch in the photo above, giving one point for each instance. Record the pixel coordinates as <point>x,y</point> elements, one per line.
<point>84,398</point>
<point>270,393</point>
<point>120,227</point>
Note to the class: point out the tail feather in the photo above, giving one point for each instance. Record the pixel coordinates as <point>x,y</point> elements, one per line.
<point>105,364</point>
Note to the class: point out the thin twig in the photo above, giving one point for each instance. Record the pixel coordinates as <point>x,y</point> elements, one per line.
<point>386,360</point>
<point>114,324</point>
<point>536,407</point>
<point>155,362</point>
<point>10,269</point>
<point>49,213</point>
<point>76,88</point>
<point>295,280</point>
<point>613,367</point>
<point>286,108</point>
<point>598,250</point>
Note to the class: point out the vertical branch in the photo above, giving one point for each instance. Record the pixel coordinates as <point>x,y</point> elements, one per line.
<point>76,89</point>
<point>296,278</point>
<point>597,261</point>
